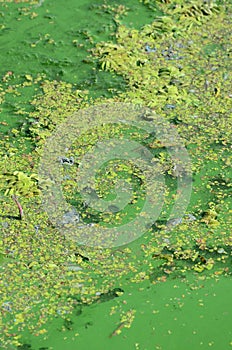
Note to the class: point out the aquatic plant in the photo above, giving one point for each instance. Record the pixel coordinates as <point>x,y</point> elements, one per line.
<point>19,183</point>
<point>183,77</point>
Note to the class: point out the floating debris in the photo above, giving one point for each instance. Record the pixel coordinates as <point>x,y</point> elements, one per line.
<point>173,222</point>
<point>177,221</point>
<point>65,160</point>
<point>7,306</point>
<point>36,229</point>
<point>190,217</point>
<point>148,49</point>
<point>170,106</point>
<point>71,217</point>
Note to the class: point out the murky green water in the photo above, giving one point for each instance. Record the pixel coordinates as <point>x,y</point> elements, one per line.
<point>163,304</point>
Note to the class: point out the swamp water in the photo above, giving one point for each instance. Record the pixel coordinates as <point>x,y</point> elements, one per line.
<point>164,290</point>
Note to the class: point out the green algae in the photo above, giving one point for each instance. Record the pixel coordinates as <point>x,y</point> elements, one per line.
<point>192,92</point>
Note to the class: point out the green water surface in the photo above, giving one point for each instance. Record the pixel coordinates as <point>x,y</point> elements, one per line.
<point>189,311</point>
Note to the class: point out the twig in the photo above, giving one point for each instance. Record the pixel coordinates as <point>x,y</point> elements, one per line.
<point>117,331</point>
<point>15,199</point>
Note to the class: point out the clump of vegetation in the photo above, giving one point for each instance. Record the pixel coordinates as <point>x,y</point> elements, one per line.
<point>182,73</point>
<point>19,183</point>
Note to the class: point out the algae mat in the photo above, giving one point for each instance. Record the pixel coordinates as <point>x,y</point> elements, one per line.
<point>143,79</point>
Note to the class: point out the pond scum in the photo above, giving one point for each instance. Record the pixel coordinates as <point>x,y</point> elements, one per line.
<point>180,66</point>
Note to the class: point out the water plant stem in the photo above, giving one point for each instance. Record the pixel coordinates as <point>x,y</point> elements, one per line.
<point>15,199</point>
